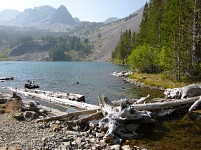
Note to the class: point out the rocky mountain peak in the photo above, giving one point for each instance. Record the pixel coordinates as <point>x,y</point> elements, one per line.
<point>63,16</point>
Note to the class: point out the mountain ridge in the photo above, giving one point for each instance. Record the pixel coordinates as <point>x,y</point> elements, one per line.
<point>103,37</point>
<point>41,17</point>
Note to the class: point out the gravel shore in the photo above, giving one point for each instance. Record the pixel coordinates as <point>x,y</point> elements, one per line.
<point>28,134</point>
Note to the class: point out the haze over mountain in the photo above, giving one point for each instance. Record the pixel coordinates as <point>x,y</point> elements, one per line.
<point>40,17</point>
<point>8,15</point>
<point>103,36</point>
<point>111,19</point>
<point>63,16</point>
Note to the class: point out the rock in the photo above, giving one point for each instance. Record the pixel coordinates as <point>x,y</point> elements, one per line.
<point>67,144</point>
<point>86,134</point>
<point>19,116</point>
<point>131,127</point>
<point>30,115</point>
<point>137,148</point>
<point>115,147</point>
<point>2,111</point>
<point>92,140</point>
<point>58,122</point>
<point>96,146</point>
<point>78,141</point>
<point>127,136</point>
<point>126,147</point>
<point>54,128</point>
<point>73,143</point>
<point>99,135</point>
<point>32,104</point>
<point>116,140</point>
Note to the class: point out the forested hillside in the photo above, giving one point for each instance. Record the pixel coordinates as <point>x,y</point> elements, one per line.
<point>168,41</point>
<point>41,45</point>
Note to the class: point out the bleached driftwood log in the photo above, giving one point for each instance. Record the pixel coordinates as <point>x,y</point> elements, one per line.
<point>184,92</point>
<point>165,104</point>
<point>67,115</point>
<point>95,116</point>
<point>127,101</point>
<point>112,116</point>
<point>195,105</point>
<point>56,100</point>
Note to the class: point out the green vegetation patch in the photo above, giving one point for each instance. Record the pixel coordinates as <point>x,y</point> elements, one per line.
<point>4,54</point>
<point>156,80</point>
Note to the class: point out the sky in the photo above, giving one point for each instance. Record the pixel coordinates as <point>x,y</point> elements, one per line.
<point>85,10</point>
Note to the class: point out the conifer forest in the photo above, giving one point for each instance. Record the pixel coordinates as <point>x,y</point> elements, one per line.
<point>168,42</point>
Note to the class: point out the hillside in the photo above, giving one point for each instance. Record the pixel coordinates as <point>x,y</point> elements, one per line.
<point>59,22</point>
<point>110,35</point>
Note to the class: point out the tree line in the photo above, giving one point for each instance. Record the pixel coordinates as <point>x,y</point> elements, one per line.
<point>62,45</point>
<point>168,41</point>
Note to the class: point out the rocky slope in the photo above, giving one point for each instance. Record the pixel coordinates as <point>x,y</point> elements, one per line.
<point>110,35</point>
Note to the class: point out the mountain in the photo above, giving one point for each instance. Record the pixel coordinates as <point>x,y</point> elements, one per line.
<point>107,37</point>
<point>59,22</point>
<point>111,19</point>
<point>63,16</point>
<point>43,17</point>
<point>32,17</point>
<point>8,15</point>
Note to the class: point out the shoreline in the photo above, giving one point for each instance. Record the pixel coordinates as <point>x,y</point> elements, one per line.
<point>19,129</point>
<point>126,79</point>
<point>141,84</point>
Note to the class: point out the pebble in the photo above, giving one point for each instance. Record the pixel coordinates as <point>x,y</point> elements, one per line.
<point>25,133</point>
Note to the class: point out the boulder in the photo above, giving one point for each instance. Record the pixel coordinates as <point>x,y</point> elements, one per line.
<point>19,116</point>
<point>30,115</point>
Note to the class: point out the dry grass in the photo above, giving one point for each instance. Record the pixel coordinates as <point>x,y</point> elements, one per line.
<point>157,80</point>
<point>12,106</point>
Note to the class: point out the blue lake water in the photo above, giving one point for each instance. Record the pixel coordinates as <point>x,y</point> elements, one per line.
<point>94,78</point>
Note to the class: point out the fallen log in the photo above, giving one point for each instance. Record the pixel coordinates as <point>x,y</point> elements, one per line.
<point>128,101</point>
<point>7,78</point>
<point>112,116</point>
<point>95,116</point>
<point>165,104</point>
<point>196,104</point>
<point>64,116</point>
<point>56,100</point>
<point>183,92</point>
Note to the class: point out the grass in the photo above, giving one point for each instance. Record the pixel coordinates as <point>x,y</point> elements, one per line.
<point>11,106</point>
<point>4,54</point>
<point>156,80</point>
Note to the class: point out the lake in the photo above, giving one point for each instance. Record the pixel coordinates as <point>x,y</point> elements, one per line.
<point>94,78</point>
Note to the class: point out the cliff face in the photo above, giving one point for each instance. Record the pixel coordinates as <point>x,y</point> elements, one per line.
<point>42,17</point>
<point>63,16</point>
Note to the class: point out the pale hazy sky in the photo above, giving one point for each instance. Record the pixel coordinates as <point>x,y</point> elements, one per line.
<point>85,10</point>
